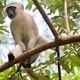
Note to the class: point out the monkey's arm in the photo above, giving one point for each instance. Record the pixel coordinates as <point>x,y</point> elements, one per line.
<point>19,45</point>
<point>16,32</point>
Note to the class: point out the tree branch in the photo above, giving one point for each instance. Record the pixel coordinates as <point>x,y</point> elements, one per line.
<point>61,41</point>
<point>50,25</point>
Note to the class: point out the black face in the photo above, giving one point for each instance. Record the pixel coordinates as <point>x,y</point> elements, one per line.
<point>11,11</point>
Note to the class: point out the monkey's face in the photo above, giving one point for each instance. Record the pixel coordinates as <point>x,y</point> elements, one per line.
<point>11,11</point>
<point>14,9</point>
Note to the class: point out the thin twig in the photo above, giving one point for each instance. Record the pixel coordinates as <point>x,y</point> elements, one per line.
<point>59,69</point>
<point>66,17</point>
<point>15,72</point>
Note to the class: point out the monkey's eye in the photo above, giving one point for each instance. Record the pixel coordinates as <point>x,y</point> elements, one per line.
<point>10,9</point>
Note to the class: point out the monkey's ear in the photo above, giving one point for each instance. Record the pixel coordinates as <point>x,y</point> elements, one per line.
<point>19,5</point>
<point>10,56</point>
<point>22,7</point>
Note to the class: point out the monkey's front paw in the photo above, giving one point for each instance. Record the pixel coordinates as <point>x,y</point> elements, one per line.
<point>27,50</point>
<point>10,56</point>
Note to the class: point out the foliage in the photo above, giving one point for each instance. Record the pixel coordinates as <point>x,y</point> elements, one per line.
<point>3,28</point>
<point>70,54</point>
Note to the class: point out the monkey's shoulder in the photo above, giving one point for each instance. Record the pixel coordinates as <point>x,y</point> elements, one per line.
<point>27,16</point>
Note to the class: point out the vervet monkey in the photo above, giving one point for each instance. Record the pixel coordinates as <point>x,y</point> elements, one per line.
<point>24,30</point>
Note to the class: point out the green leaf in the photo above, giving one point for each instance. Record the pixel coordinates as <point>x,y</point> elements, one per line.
<point>75,59</point>
<point>47,72</point>
<point>52,56</point>
<point>65,64</point>
<point>29,5</point>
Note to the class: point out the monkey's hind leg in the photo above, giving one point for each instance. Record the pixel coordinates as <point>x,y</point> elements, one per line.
<point>42,40</point>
